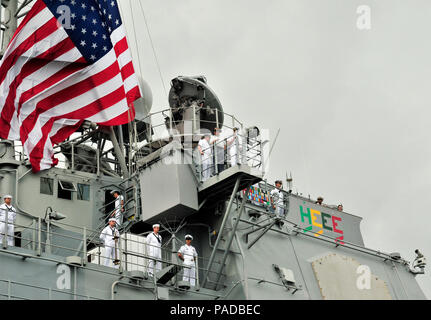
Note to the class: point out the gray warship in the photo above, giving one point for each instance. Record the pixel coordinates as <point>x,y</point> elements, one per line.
<point>245,250</point>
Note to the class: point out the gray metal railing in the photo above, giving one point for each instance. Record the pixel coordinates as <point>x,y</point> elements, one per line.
<point>35,240</point>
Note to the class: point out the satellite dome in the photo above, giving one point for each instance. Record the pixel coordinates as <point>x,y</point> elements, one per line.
<point>144,104</point>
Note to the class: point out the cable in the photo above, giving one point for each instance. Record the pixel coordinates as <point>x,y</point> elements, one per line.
<point>152,46</point>
<point>136,39</point>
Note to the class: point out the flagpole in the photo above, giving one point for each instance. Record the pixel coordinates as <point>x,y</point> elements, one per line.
<point>10,26</point>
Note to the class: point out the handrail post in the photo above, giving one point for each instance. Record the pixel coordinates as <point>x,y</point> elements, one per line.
<point>98,161</point>
<point>120,253</point>
<point>125,252</point>
<point>237,150</point>
<point>215,157</point>
<point>197,287</point>
<point>33,244</point>
<point>6,227</point>
<point>73,156</point>
<point>48,236</point>
<point>39,237</point>
<point>75,282</point>
<point>84,244</point>
<point>156,291</point>
<point>201,169</point>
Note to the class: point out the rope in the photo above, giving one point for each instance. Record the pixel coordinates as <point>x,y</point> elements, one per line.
<point>153,48</point>
<point>136,39</point>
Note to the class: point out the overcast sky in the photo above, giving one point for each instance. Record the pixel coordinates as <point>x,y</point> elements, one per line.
<point>352,105</point>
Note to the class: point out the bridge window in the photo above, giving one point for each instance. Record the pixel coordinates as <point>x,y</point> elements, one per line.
<point>83,192</point>
<point>47,186</point>
<point>65,189</point>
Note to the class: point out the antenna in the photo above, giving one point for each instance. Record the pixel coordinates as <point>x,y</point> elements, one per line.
<point>289,181</point>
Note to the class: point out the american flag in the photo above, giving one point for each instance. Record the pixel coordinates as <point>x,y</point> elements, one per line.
<point>67,62</point>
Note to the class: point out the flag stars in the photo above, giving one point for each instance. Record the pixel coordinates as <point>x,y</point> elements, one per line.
<point>92,23</point>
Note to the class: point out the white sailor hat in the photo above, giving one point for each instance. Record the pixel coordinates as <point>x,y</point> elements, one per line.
<point>7,196</point>
<point>115,191</point>
<point>189,237</point>
<point>112,219</point>
<point>156,225</point>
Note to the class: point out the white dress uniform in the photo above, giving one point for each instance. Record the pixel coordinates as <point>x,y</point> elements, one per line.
<point>7,227</point>
<point>277,196</point>
<point>234,148</point>
<point>118,212</point>
<point>206,158</point>
<point>189,254</point>
<point>107,236</point>
<point>154,249</point>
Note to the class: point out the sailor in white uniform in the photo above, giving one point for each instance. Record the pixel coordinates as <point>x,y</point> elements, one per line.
<point>154,250</point>
<point>218,145</point>
<point>7,227</point>
<point>188,254</point>
<point>233,144</point>
<point>205,151</point>
<point>108,237</point>
<point>278,200</point>
<point>119,207</point>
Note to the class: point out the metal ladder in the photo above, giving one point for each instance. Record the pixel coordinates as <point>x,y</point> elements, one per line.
<point>222,230</point>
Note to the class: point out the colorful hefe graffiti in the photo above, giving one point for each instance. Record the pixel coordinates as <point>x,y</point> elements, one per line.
<point>319,222</point>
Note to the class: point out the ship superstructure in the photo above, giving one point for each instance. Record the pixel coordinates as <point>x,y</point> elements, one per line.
<point>245,250</point>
